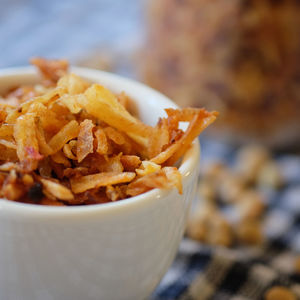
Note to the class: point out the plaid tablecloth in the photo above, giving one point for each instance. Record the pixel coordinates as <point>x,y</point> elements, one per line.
<point>75,29</point>
<point>201,272</point>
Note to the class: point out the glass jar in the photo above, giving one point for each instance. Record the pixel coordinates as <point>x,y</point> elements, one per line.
<point>241,57</point>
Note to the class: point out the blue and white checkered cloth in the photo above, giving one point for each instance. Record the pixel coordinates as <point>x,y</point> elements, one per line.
<point>73,29</point>
<point>201,272</point>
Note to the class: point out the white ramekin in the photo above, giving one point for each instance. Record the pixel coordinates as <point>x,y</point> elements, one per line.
<point>110,251</point>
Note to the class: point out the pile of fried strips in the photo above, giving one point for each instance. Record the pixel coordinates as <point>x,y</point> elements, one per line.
<point>66,141</point>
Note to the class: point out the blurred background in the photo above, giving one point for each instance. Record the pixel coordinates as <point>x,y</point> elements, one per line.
<point>74,29</point>
<point>240,57</point>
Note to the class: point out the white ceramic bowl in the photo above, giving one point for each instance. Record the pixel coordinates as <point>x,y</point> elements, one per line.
<point>110,251</point>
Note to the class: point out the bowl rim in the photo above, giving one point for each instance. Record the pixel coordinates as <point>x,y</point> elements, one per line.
<point>189,164</point>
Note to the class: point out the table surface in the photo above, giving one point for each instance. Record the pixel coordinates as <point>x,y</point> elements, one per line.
<point>71,29</point>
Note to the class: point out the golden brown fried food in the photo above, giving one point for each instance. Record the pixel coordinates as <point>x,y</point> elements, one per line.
<point>75,143</point>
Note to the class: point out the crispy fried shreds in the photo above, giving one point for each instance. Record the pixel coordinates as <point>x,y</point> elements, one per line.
<point>147,167</point>
<point>28,180</point>
<point>67,133</point>
<point>165,178</point>
<point>45,168</point>
<point>27,142</point>
<point>197,123</point>
<point>72,102</point>
<point>57,190</point>
<point>148,182</point>
<point>103,104</point>
<point>48,119</point>
<point>130,162</point>
<point>21,94</point>
<point>79,185</point>
<point>76,172</point>
<point>73,87</point>
<point>112,193</point>
<point>57,169</point>
<point>3,116</point>
<point>95,196</point>
<point>183,115</point>
<point>60,158</point>
<point>13,191</point>
<point>7,154</point>
<point>6,130</point>
<point>12,188</point>
<point>47,99</point>
<point>160,137</point>
<point>124,100</point>
<point>102,144</point>
<point>114,135</point>
<point>69,142</point>
<point>174,177</point>
<point>8,166</point>
<point>85,139</point>
<point>51,70</point>
<point>73,84</point>
<point>119,139</point>
<point>12,116</point>
<point>45,149</point>
<point>117,192</point>
<point>112,164</point>
<point>69,149</point>
<point>8,144</point>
